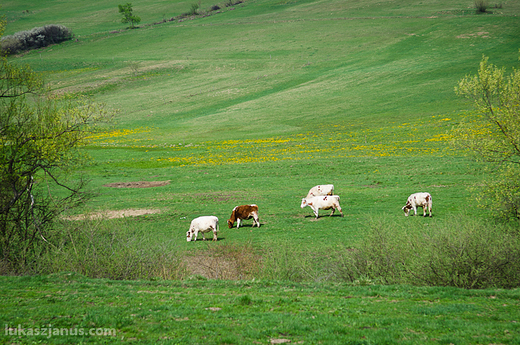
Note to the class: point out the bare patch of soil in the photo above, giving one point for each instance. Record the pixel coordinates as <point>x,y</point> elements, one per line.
<point>483,34</point>
<point>137,184</point>
<point>114,214</point>
<point>280,341</point>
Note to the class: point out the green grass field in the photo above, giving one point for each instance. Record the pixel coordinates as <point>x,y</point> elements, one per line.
<point>250,312</point>
<point>257,103</point>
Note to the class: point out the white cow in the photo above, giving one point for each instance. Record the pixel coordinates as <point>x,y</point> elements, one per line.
<point>202,224</point>
<point>324,189</point>
<point>326,202</point>
<point>415,200</point>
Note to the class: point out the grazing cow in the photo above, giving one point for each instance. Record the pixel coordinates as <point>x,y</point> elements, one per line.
<point>423,200</point>
<point>202,224</point>
<point>324,189</point>
<point>244,212</point>
<point>322,202</point>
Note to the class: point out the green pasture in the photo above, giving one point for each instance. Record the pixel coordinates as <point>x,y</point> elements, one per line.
<point>258,102</point>
<point>250,312</point>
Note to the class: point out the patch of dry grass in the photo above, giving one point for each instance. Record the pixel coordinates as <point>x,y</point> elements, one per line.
<point>225,262</point>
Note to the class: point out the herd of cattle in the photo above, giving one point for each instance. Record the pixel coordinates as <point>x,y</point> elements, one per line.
<point>319,198</point>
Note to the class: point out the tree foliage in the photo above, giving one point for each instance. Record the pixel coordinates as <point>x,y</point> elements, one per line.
<point>40,137</point>
<point>128,15</point>
<point>492,133</point>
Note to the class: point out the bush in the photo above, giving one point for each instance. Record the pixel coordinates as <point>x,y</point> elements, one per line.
<point>289,262</point>
<point>481,6</point>
<point>194,9</point>
<point>10,45</point>
<point>230,3</point>
<point>36,38</point>
<point>104,248</point>
<point>469,257</point>
<point>500,192</point>
<point>462,253</point>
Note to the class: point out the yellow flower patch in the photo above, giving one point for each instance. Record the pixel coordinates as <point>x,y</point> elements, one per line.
<point>422,137</point>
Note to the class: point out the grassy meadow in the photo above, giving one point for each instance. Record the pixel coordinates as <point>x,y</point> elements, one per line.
<point>251,312</point>
<point>257,102</point>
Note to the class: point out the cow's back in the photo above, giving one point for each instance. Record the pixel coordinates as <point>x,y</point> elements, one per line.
<point>422,198</point>
<point>324,189</point>
<point>204,222</point>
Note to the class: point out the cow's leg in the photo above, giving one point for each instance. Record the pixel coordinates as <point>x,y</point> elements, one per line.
<point>340,211</point>
<point>214,234</point>
<point>414,210</point>
<point>333,210</point>
<point>238,222</point>
<point>424,208</point>
<point>316,213</point>
<point>255,219</point>
<point>430,210</point>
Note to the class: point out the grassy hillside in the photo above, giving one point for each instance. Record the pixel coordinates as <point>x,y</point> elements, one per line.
<point>269,69</point>
<point>258,102</point>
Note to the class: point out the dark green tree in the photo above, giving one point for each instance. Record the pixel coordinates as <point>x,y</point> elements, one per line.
<point>128,15</point>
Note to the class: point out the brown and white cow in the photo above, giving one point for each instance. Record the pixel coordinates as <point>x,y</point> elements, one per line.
<point>415,200</point>
<point>244,212</point>
<point>324,189</point>
<point>326,202</point>
<point>202,224</point>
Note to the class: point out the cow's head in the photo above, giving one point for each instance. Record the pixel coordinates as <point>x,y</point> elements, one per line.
<point>230,223</point>
<point>304,203</point>
<point>189,235</point>
<point>406,208</point>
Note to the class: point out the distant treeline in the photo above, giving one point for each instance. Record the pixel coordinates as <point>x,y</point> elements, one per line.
<point>36,38</point>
